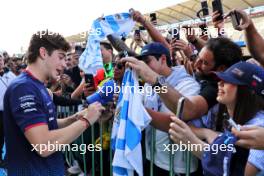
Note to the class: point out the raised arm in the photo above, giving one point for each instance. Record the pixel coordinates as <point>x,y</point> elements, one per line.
<point>255,41</point>
<point>153,32</point>
<point>194,106</point>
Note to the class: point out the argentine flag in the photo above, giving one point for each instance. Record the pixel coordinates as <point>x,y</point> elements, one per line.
<point>131,118</point>
<point>119,24</point>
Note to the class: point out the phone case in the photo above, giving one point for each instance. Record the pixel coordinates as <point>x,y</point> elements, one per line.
<point>217,6</point>
<point>235,19</point>
<point>89,79</point>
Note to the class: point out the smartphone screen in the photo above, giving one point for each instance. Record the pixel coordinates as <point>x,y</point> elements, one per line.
<point>217,6</point>
<point>89,79</point>
<point>153,18</point>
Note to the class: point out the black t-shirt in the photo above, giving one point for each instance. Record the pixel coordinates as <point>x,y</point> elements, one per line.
<point>208,89</point>
<point>74,73</point>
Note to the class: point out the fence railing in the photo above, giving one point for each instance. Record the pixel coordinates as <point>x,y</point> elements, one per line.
<point>89,162</point>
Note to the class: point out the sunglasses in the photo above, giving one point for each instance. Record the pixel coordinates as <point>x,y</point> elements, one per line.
<point>119,65</point>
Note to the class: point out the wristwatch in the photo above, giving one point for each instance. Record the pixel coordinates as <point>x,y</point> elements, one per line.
<point>160,81</point>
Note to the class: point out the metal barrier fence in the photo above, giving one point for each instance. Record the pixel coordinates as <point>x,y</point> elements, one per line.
<point>90,133</point>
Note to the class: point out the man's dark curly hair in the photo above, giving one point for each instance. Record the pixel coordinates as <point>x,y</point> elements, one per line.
<point>49,40</point>
<point>225,51</point>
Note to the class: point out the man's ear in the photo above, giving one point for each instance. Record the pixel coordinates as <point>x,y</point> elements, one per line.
<point>221,68</point>
<point>42,52</point>
<point>163,59</point>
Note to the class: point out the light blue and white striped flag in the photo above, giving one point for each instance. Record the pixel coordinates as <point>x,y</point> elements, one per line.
<point>119,24</point>
<point>132,118</point>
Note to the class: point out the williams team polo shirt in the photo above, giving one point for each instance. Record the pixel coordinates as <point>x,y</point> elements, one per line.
<point>27,104</point>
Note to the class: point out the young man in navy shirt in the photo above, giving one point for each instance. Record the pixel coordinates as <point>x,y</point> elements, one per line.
<point>30,117</point>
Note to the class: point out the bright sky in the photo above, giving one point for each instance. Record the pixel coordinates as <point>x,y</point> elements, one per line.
<point>21,18</point>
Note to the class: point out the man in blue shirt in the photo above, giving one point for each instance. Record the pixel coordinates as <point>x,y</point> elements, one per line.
<point>30,118</point>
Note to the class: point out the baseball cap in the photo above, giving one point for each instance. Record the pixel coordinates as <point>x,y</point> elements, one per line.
<point>244,73</point>
<point>154,48</point>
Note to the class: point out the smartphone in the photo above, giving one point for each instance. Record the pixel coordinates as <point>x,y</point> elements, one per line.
<point>79,50</point>
<point>180,105</point>
<point>217,6</point>
<point>205,7</point>
<point>233,124</point>
<point>175,33</point>
<point>141,28</point>
<point>153,18</point>
<point>89,79</point>
<point>235,18</point>
<point>137,32</point>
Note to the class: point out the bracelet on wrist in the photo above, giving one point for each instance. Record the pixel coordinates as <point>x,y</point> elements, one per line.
<point>87,123</point>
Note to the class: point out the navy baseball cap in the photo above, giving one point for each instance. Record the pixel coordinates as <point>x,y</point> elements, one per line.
<point>154,48</point>
<point>244,73</point>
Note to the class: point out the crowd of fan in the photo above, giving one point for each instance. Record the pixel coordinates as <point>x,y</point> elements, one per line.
<point>207,71</point>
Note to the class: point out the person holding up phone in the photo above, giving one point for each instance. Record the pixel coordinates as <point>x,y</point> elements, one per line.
<point>255,41</point>
<point>138,41</point>
<point>152,31</point>
<point>192,38</point>
<point>89,81</point>
<point>240,92</point>
<point>88,84</point>
<point>153,18</point>
<point>217,17</point>
<point>181,45</point>
<point>218,7</point>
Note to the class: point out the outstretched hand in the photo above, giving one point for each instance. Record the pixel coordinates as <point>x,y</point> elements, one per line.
<point>250,137</point>
<point>144,71</point>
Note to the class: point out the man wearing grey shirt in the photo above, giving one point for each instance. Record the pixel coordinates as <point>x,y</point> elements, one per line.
<point>158,59</point>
